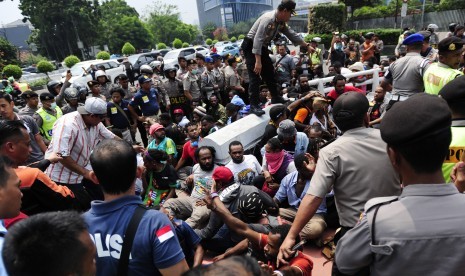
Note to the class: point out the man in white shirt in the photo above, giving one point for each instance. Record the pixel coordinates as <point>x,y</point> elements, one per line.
<point>244,167</point>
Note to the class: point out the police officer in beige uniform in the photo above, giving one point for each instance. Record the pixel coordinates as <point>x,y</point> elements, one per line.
<point>355,166</point>
<point>255,46</point>
<point>406,74</point>
<point>421,232</point>
<point>190,82</point>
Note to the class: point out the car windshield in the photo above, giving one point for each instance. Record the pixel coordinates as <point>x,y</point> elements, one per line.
<point>133,59</point>
<point>77,70</point>
<point>172,55</point>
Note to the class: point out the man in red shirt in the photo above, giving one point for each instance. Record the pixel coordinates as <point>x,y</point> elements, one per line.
<point>340,87</point>
<point>299,264</point>
<point>190,146</point>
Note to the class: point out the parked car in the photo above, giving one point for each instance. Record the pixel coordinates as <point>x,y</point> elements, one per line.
<point>171,58</point>
<point>228,49</point>
<point>163,52</point>
<point>140,59</point>
<point>202,50</point>
<point>221,43</point>
<point>81,71</point>
<point>30,69</point>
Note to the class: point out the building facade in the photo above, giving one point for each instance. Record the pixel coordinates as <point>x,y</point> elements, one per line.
<point>226,13</point>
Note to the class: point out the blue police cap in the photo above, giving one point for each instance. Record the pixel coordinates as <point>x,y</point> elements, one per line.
<point>215,56</point>
<point>208,60</point>
<point>414,38</point>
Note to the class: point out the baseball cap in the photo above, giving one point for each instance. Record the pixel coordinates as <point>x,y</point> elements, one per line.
<point>93,105</point>
<point>155,127</point>
<point>287,129</point>
<point>223,174</point>
<point>144,79</point>
<point>178,111</point>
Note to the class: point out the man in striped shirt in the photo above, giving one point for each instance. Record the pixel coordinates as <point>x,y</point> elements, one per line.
<point>75,135</point>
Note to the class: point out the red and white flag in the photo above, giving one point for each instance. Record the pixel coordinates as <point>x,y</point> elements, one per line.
<point>164,233</point>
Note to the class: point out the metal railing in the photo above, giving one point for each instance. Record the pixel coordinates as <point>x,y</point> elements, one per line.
<point>375,80</point>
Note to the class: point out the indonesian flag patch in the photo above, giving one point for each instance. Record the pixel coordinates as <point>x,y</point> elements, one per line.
<point>164,233</point>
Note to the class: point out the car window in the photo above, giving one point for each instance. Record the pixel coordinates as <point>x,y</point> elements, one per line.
<point>113,64</point>
<point>200,49</point>
<point>188,52</point>
<point>149,58</point>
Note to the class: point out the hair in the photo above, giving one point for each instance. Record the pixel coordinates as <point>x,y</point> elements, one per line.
<point>5,163</point>
<point>157,155</point>
<point>338,78</point>
<point>10,130</point>
<point>282,230</point>
<point>165,116</point>
<point>417,46</point>
<point>46,244</point>
<point>392,58</point>
<point>192,124</point>
<point>337,64</point>
<point>225,268</point>
<point>458,28</point>
<point>427,161</point>
<point>231,61</point>
<point>123,77</point>
<point>304,76</point>
<point>114,163</point>
<point>6,96</point>
<point>197,152</point>
<point>117,89</point>
<point>208,118</point>
<point>117,132</point>
<point>275,144</point>
<point>234,143</point>
<point>231,107</point>
<point>299,161</point>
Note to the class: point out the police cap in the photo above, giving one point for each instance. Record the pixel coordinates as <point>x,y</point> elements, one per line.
<point>288,5</point>
<point>29,94</point>
<point>415,38</point>
<point>450,44</point>
<point>454,91</point>
<point>191,62</point>
<point>46,96</point>
<point>419,117</point>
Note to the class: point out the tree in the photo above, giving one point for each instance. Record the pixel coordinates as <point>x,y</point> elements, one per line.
<point>128,49</point>
<point>208,29</point>
<point>161,46</point>
<point>70,61</point>
<point>45,66</point>
<point>103,55</point>
<point>165,24</point>
<point>7,53</point>
<point>241,36</point>
<point>177,43</point>
<point>209,41</point>
<point>242,27</point>
<point>185,45</point>
<point>12,70</point>
<point>233,39</point>
<point>214,41</point>
<point>221,34</point>
<point>130,28</point>
<point>64,22</point>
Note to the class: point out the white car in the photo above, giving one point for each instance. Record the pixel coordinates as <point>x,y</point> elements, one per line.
<point>81,71</point>
<point>171,58</point>
<point>202,50</point>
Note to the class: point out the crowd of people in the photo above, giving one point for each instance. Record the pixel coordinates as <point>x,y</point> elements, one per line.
<point>113,179</point>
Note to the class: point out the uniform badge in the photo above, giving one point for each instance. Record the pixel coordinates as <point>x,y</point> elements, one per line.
<point>452,47</point>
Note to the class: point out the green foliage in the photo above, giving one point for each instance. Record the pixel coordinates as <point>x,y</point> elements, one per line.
<point>233,39</point>
<point>59,23</point>
<point>214,41</point>
<point>388,36</point>
<point>208,29</point>
<point>209,41</point>
<point>31,59</point>
<point>161,45</point>
<point>129,28</point>
<point>327,18</point>
<point>71,60</point>
<point>165,24</point>
<point>45,66</point>
<point>414,6</point>
<point>103,55</point>
<point>177,43</point>
<point>445,5</point>
<point>12,70</point>
<point>241,27</point>
<point>355,4</point>
<point>221,34</point>
<point>8,53</point>
<point>185,44</point>
<point>39,82</point>
<point>128,49</point>
<point>241,36</point>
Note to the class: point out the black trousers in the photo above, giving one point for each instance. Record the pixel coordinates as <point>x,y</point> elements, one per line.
<point>267,74</point>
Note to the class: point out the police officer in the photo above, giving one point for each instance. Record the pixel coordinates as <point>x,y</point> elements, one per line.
<point>72,96</point>
<point>255,46</point>
<point>209,85</point>
<point>315,54</point>
<point>442,72</point>
<point>190,82</point>
<point>175,92</point>
<point>415,233</point>
<point>182,71</point>
<point>454,94</point>
<point>219,77</point>
<point>146,70</point>
<point>406,74</point>
<point>32,102</point>
<point>47,115</point>
<point>427,51</point>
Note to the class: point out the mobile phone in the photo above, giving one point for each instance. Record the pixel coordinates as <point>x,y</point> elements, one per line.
<point>298,245</point>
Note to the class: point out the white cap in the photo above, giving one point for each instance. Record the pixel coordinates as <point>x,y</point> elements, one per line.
<point>93,105</point>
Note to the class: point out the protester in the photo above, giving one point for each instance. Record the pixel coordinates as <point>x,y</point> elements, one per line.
<point>32,103</point>
<point>244,167</point>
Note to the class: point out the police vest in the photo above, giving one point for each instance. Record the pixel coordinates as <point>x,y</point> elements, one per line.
<point>315,57</point>
<point>47,121</point>
<point>456,148</point>
<point>436,76</point>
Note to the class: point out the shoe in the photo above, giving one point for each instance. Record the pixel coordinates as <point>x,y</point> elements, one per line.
<point>278,99</point>
<point>256,110</point>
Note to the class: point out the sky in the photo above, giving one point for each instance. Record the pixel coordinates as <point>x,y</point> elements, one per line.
<point>187,9</point>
